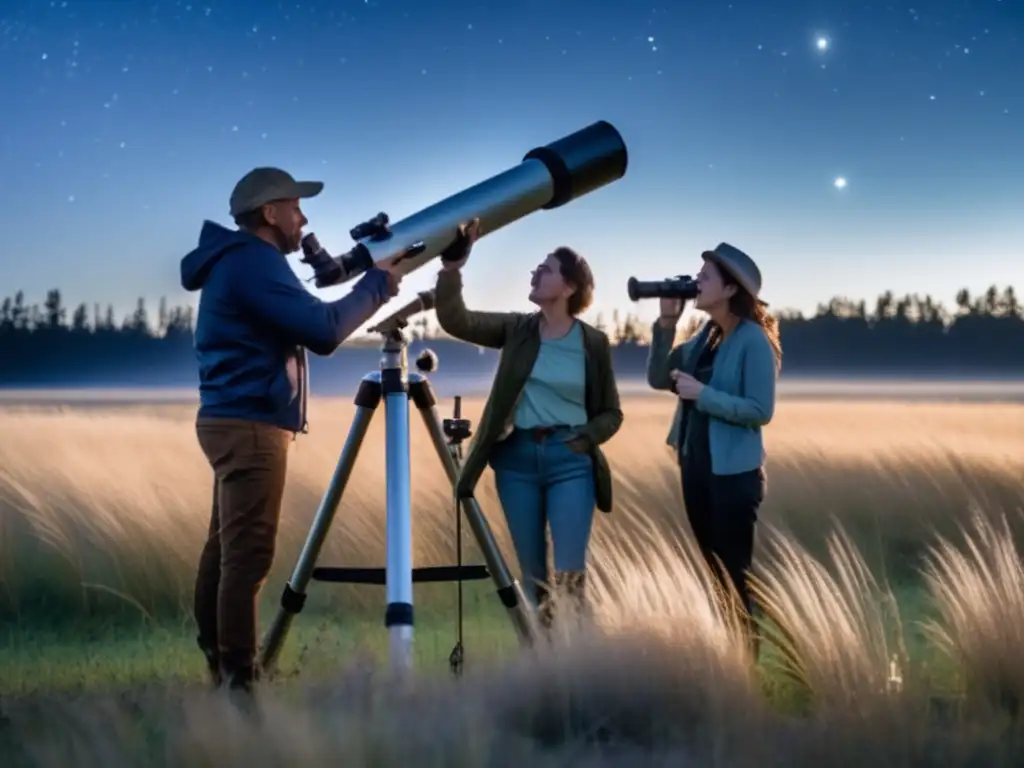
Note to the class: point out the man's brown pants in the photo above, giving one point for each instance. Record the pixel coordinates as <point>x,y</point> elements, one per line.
<point>249,461</point>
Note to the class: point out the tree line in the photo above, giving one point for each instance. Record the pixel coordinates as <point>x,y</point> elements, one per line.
<point>981,335</point>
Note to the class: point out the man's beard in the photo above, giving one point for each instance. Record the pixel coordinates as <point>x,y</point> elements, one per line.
<point>285,243</point>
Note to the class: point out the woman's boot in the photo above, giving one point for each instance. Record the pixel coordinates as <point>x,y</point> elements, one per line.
<point>576,591</point>
<point>544,607</point>
<point>571,589</point>
<point>212,663</point>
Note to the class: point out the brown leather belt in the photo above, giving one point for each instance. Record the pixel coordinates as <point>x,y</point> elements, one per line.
<point>538,434</point>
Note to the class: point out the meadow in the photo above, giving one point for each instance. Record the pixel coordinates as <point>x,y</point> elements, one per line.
<point>889,566</point>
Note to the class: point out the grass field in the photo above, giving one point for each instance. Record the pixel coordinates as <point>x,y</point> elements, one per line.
<point>893,641</point>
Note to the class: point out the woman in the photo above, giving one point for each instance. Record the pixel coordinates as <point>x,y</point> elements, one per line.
<point>553,404</point>
<point>725,380</point>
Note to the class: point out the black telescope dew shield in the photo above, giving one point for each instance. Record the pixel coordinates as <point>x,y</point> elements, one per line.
<point>682,287</point>
<point>548,177</point>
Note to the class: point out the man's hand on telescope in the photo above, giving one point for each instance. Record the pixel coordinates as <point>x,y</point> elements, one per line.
<point>394,282</point>
<point>457,254</point>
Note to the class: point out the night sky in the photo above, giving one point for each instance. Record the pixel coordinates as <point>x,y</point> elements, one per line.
<point>125,124</point>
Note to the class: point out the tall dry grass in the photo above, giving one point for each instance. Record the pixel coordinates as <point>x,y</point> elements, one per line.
<point>659,679</point>
<point>108,507</point>
<point>115,502</point>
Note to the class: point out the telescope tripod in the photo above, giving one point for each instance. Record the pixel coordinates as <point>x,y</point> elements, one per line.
<point>397,387</point>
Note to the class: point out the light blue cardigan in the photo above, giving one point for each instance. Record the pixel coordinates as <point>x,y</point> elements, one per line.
<point>739,398</point>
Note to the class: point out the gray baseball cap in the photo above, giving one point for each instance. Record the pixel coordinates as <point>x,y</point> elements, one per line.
<point>264,185</point>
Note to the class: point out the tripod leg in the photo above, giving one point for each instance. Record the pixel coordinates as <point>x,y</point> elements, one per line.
<point>510,592</point>
<point>293,597</point>
<point>398,616</point>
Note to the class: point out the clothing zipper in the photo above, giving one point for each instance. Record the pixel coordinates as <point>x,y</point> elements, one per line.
<point>303,390</point>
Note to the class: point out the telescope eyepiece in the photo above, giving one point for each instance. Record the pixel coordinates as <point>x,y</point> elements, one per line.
<point>681,287</point>
<point>325,268</point>
<point>329,270</point>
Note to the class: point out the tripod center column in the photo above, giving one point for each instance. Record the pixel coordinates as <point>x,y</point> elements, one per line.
<point>398,616</point>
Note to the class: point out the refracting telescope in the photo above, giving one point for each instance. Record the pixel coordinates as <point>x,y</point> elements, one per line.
<point>548,177</point>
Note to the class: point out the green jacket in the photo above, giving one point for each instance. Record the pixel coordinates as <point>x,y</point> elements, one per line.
<point>517,335</point>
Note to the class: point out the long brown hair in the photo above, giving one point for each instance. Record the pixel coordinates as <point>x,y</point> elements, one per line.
<point>743,304</point>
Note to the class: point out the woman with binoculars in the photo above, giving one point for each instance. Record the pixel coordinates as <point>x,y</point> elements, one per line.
<point>725,380</point>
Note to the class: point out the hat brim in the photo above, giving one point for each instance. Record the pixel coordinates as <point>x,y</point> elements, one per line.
<point>728,267</point>
<point>306,189</point>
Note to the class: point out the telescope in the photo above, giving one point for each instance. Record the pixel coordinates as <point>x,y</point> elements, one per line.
<point>548,177</point>
<point>681,287</point>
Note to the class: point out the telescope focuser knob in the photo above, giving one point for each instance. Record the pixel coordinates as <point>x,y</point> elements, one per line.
<point>426,361</point>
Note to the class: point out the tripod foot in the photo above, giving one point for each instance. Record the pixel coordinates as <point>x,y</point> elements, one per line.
<point>456,659</point>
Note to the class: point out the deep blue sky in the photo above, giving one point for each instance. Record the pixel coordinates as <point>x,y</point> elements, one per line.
<point>126,123</point>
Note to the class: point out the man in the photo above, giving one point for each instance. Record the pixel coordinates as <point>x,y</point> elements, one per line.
<point>254,325</point>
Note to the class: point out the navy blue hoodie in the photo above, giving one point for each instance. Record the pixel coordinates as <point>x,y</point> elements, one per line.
<point>255,323</point>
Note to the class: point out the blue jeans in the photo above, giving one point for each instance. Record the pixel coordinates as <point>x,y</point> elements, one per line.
<point>541,482</point>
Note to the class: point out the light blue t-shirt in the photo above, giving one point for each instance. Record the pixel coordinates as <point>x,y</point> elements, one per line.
<point>556,391</point>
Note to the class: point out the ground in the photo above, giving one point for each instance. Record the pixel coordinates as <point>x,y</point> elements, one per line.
<point>104,509</point>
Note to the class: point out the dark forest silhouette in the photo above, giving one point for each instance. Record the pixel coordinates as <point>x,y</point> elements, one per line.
<point>982,337</point>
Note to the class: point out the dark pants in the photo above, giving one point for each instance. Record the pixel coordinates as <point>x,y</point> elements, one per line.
<point>249,462</point>
<point>722,510</point>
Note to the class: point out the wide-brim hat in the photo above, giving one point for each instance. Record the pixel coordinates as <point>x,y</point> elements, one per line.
<point>739,266</point>
<point>265,185</point>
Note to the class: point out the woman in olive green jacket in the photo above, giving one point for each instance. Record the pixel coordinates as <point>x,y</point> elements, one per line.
<point>553,404</point>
